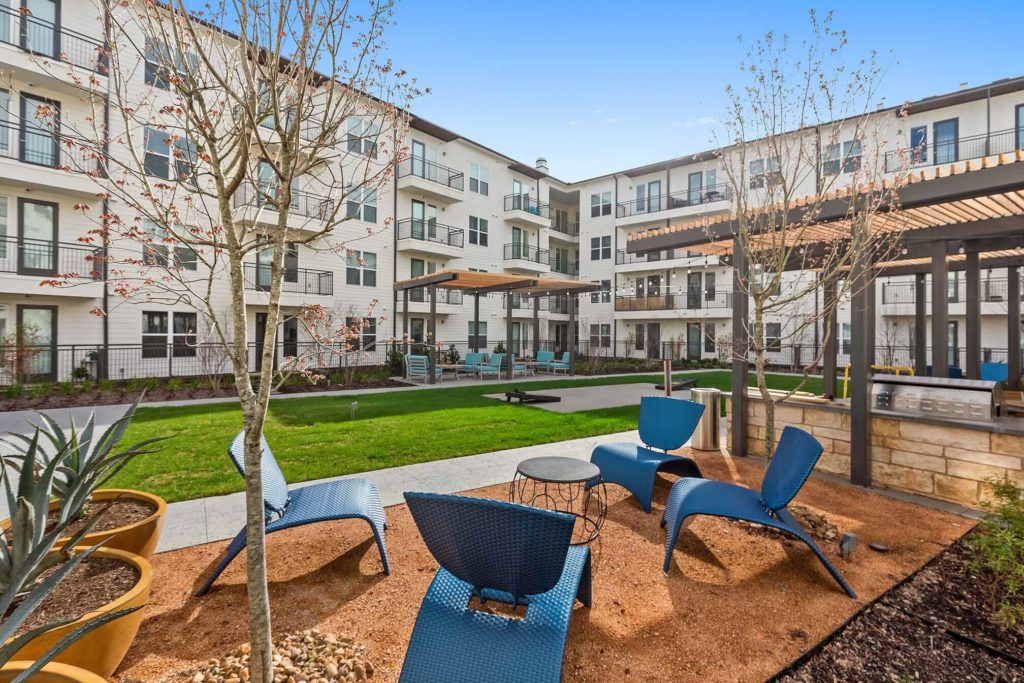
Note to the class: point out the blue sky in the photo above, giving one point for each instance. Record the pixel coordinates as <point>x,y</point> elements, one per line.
<point>601,86</point>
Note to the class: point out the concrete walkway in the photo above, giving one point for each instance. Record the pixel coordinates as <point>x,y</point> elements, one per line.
<point>194,522</point>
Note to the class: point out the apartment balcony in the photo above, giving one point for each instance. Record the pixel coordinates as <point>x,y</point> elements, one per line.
<point>526,209</point>
<point>39,159</point>
<point>564,266</point>
<point>56,58</point>
<point>687,305</point>
<point>566,232</point>
<point>526,258</point>
<point>300,285</point>
<point>427,237</point>
<point>449,301</point>
<point>25,263</point>
<point>707,200</point>
<point>899,298</point>
<point>626,262</point>
<point>961,149</point>
<point>523,307</point>
<point>307,212</point>
<point>431,179</point>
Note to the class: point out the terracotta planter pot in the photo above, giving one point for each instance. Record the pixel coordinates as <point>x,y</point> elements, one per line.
<point>51,673</point>
<point>138,539</point>
<point>102,650</point>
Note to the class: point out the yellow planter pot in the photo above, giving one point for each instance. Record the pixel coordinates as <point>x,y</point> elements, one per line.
<point>51,673</point>
<point>102,650</point>
<point>138,539</point>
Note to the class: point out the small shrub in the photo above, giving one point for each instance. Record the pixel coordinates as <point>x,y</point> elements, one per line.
<point>80,373</point>
<point>500,348</point>
<point>66,388</point>
<point>174,384</point>
<point>40,390</point>
<point>999,553</point>
<point>106,385</point>
<point>451,356</point>
<point>14,391</point>
<point>135,384</point>
<point>87,386</point>
<point>395,361</point>
<point>196,383</point>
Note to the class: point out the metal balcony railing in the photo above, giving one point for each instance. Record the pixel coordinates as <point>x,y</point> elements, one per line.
<point>46,258</point>
<point>452,297</point>
<point>526,252</point>
<point>564,266</point>
<point>692,301</point>
<point>302,204</point>
<point>622,257</point>
<point>434,172</point>
<point>430,231</point>
<point>527,203</point>
<point>992,291</point>
<point>675,200</point>
<point>43,38</point>
<point>27,141</point>
<point>570,229</point>
<point>296,280</point>
<point>948,151</point>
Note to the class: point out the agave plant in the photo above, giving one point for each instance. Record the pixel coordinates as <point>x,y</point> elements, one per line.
<point>84,461</point>
<point>25,556</point>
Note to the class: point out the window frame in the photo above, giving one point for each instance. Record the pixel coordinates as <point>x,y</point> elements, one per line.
<point>478,231</point>
<point>361,269</point>
<point>600,204</point>
<point>772,342</point>
<point>479,179</point>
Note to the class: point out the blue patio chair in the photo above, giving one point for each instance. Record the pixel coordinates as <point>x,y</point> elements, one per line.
<point>995,372</point>
<point>795,457</point>
<point>666,424</point>
<point>545,359</point>
<point>499,551</point>
<point>284,509</point>
<point>472,362</point>
<point>418,367</point>
<point>493,365</point>
<point>561,365</point>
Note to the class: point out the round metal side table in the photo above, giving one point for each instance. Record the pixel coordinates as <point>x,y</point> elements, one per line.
<point>563,485</point>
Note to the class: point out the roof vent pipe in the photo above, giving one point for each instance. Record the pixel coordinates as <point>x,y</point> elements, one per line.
<point>542,165</point>
<point>963,86</point>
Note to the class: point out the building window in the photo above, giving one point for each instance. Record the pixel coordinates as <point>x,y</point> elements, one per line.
<point>161,149</point>
<point>156,337</point>
<point>601,336</point>
<point>709,286</point>
<point>479,179</point>
<point>604,295</point>
<point>478,231</point>
<point>361,269</point>
<point>158,59</point>
<point>848,162</point>
<point>600,204</point>
<point>478,340</point>
<point>709,337</point>
<point>600,248</point>
<point>944,138</point>
<point>361,136</point>
<point>156,251</point>
<point>3,230</point>
<point>366,336</point>
<point>773,336</point>
<point>640,337</point>
<point>361,204</point>
<point>845,337</point>
<point>763,172</point>
<point>1019,127</point>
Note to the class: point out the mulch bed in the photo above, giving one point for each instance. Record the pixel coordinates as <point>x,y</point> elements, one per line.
<point>115,514</point>
<point>97,581</point>
<point>932,627</point>
<point>56,399</point>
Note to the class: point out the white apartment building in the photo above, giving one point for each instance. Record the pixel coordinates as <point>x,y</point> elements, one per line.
<point>453,203</point>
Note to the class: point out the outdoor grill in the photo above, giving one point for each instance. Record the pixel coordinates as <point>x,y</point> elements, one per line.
<point>962,399</point>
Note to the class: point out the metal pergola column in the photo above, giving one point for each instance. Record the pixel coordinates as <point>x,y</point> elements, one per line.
<point>508,334</point>
<point>432,333</point>
<point>861,357</point>
<point>940,310</point>
<point>536,326</point>
<point>920,324</point>
<point>476,323</point>
<point>741,345</point>
<point>1013,327</point>
<point>572,333</point>
<point>973,287</point>
<point>829,352</point>
<point>405,321</point>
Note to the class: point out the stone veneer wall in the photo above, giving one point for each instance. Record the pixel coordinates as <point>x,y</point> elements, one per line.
<point>945,462</point>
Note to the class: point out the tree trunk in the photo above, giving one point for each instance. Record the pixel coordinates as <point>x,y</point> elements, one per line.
<point>762,381</point>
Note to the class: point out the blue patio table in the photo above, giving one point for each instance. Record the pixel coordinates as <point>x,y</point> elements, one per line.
<point>563,485</point>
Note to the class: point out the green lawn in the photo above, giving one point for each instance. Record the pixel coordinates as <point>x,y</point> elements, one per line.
<point>314,438</point>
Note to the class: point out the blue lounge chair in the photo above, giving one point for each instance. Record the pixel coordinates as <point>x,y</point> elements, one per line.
<point>545,359</point>
<point>665,423</point>
<point>417,367</point>
<point>795,457</point>
<point>472,362</point>
<point>561,365</point>
<point>995,372</point>
<point>498,551</point>
<point>341,499</point>
<point>493,365</point>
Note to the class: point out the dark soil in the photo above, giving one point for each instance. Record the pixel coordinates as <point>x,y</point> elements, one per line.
<point>949,593</point>
<point>91,585</point>
<point>115,513</point>
<point>936,626</point>
<point>884,644</point>
<point>816,524</point>
<point>95,397</point>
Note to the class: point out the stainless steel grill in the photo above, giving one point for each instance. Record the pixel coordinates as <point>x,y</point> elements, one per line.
<point>961,399</point>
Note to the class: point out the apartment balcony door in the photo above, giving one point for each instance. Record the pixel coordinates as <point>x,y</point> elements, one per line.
<point>259,338</point>
<point>954,344</point>
<point>37,237</point>
<point>290,328</point>
<point>424,161</point>
<point>693,287</point>
<point>694,187</point>
<point>39,134</point>
<point>945,134</point>
<point>653,340</point>
<point>561,338</point>
<point>693,339</point>
<point>40,30</point>
<point>37,341</point>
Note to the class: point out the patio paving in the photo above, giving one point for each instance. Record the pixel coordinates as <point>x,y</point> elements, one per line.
<point>577,399</point>
<point>736,605</point>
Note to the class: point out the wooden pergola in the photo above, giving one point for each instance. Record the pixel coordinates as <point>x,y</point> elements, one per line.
<point>477,283</point>
<point>964,216</point>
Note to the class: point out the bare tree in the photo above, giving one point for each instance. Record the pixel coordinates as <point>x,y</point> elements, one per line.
<point>802,129</point>
<point>241,131</point>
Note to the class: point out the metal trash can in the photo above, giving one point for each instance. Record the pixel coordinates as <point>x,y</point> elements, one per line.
<point>706,436</point>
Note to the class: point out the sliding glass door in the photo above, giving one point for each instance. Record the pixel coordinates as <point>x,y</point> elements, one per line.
<point>37,237</point>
